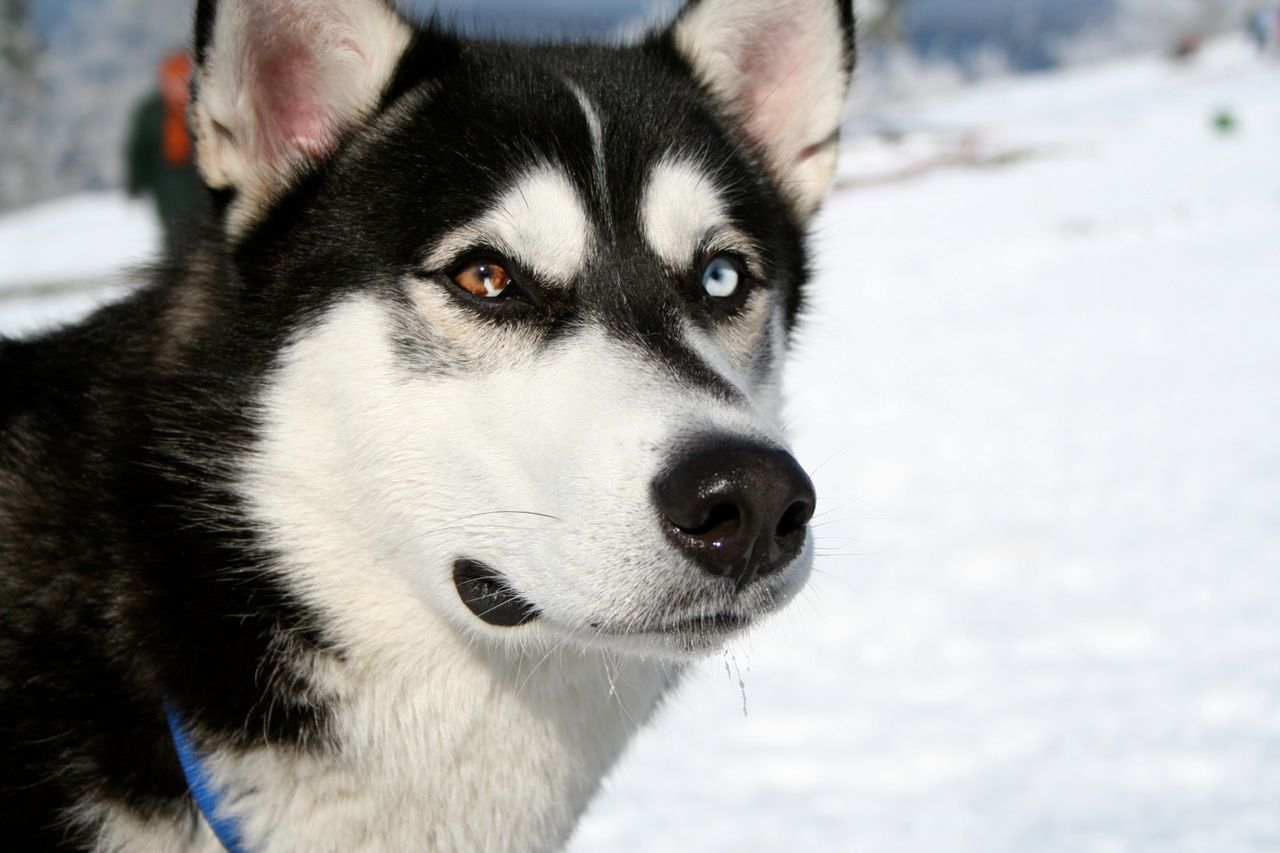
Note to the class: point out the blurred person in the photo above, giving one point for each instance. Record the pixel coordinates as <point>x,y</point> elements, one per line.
<point>1187,46</point>
<point>1264,26</point>
<point>160,159</point>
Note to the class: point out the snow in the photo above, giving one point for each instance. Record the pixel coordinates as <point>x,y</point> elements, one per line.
<point>1039,389</point>
<point>59,259</point>
<point>1043,404</point>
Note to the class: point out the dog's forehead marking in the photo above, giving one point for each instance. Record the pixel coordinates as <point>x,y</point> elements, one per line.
<point>595,126</point>
<point>540,222</point>
<point>681,207</point>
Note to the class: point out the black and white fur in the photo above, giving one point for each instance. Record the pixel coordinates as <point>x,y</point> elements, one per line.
<point>246,491</point>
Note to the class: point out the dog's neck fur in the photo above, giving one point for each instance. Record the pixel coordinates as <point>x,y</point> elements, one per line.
<point>486,753</point>
<point>487,757</point>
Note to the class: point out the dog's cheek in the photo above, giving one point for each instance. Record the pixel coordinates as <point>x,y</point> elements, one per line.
<point>753,344</point>
<point>465,341</point>
<point>766,367</point>
<point>370,469</point>
<point>580,436</point>
<point>560,449</point>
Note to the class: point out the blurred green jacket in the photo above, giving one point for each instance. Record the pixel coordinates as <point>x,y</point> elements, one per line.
<point>174,185</point>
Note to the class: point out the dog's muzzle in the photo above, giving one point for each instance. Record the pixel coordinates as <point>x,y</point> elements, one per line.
<point>736,509</point>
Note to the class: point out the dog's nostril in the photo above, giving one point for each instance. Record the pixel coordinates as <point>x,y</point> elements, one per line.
<point>722,521</point>
<point>738,509</point>
<point>794,519</point>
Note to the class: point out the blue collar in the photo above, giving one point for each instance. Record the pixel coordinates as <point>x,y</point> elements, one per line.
<point>208,796</point>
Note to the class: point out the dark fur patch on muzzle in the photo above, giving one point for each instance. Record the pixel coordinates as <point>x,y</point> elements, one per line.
<point>487,595</point>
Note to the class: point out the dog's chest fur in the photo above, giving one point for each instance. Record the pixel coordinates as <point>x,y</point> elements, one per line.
<point>502,756</point>
<point>481,758</point>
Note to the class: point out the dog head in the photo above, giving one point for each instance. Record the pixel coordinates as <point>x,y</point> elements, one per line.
<point>529,307</point>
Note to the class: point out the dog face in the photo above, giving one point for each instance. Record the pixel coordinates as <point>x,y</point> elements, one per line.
<point>532,307</point>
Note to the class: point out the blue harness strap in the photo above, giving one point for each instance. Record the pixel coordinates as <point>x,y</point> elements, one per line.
<point>206,794</point>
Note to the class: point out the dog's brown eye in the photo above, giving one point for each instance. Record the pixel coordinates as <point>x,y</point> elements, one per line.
<point>483,279</point>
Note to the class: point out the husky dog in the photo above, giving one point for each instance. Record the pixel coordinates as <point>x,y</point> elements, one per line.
<point>386,513</point>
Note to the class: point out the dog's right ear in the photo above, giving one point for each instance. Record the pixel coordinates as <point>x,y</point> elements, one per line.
<point>278,83</point>
<point>779,70</point>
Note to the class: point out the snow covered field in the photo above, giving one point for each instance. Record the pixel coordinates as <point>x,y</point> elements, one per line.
<point>1040,392</point>
<point>1043,405</point>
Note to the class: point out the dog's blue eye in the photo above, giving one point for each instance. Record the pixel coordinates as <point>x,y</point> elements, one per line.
<point>721,278</point>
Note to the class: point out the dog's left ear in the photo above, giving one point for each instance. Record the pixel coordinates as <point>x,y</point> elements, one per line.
<point>781,70</point>
<point>279,83</point>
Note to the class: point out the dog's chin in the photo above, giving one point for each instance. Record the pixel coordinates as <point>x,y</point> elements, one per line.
<point>491,599</point>
<point>682,639</point>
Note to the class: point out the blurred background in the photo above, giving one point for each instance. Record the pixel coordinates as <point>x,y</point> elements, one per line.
<point>1038,389</point>
<point>72,71</point>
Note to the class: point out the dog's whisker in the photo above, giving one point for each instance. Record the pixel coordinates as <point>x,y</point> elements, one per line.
<point>824,462</point>
<point>809,590</point>
<point>613,687</point>
<point>457,524</point>
<point>555,648</point>
<point>842,505</point>
<point>834,521</point>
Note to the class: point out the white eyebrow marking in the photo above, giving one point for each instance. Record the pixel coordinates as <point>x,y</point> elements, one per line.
<point>596,127</point>
<point>681,207</point>
<point>540,222</point>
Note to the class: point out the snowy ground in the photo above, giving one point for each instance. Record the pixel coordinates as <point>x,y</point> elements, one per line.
<point>1040,389</point>
<point>61,258</point>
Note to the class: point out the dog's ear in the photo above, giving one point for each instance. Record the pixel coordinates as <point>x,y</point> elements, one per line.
<point>781,70</point>
<point>277,84</point>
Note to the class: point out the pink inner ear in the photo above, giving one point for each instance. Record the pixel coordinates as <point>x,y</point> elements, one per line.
<point>773,77</point>
<point>292,115</point>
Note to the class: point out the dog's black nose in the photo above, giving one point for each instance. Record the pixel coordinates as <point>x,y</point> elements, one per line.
<point>739,509</point>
